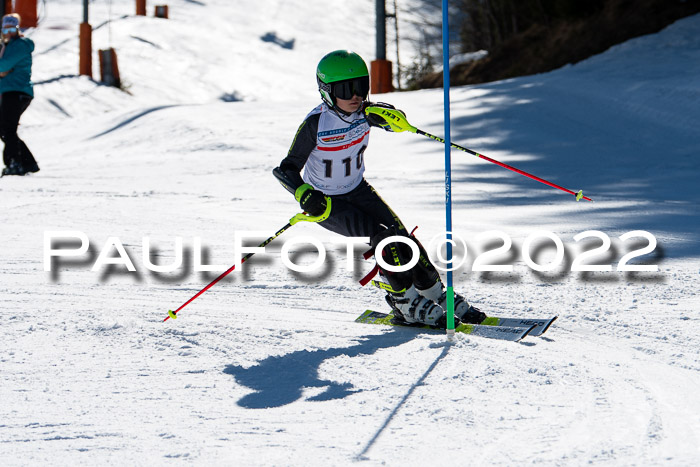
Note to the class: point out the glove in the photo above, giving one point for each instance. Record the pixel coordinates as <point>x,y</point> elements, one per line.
<point>311,200</point>
<point>377,120</point>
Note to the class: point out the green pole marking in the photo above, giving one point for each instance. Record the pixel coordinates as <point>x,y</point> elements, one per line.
<point>450,308</point>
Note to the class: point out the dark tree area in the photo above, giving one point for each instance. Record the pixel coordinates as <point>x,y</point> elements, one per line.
<point>525,37</point>
<point>488,23</point>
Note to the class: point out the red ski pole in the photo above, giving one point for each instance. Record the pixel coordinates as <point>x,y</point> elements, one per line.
<point>398,123</point>
<point>298,218</point>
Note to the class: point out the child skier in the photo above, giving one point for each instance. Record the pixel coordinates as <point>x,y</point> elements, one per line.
<point>329,146</point>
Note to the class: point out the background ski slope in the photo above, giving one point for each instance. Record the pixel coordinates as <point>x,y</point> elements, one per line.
<point>268,367</point>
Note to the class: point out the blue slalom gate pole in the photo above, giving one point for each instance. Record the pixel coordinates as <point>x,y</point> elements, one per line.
<point>448,167</point>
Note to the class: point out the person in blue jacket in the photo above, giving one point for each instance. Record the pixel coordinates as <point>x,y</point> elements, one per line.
<point>16,93</point>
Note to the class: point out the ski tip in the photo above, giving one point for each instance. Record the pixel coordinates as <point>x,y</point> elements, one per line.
<point>526,331</point>
<point>172,314</point>
<point>549,324</point>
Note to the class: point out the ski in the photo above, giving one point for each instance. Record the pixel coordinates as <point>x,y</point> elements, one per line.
<point>509,333</point>
<point>540,325</point>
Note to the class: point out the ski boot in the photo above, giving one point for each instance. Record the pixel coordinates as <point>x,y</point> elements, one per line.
<point>14,169</point>
<point>463,310</point>
<point>33,168</point>
<point>412,307</point>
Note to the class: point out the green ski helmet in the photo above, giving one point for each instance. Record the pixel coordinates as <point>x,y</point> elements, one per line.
<point>342,74</point>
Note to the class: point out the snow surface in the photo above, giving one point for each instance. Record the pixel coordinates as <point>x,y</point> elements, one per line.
<point>268,367</point>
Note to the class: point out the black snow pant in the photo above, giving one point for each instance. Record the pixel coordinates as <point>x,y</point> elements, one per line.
<point>12,106</point>
<point>363,213</point>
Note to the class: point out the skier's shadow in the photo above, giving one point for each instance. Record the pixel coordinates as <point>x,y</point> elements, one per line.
<point>280,380</point>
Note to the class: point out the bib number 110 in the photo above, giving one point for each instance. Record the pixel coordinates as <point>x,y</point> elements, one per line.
<point>347,164</point>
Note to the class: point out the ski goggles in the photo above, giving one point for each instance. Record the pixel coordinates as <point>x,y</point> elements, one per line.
<point>9,30</point>
<point>351,87</point>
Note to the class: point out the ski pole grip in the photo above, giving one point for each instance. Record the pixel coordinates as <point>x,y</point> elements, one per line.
<point>393,117</point>
<point>304,217</point>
